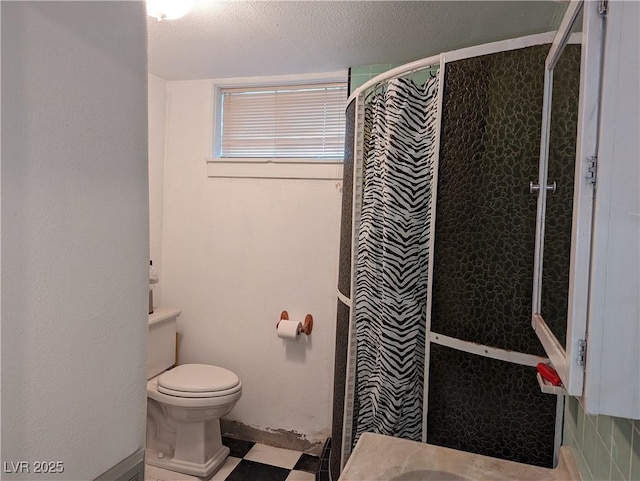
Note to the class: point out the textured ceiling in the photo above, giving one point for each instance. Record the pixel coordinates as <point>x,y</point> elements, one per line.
<point>219,39</point>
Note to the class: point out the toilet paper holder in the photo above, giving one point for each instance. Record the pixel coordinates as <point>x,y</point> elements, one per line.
<point>307,325</point>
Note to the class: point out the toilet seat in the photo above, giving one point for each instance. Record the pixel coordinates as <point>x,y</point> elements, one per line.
<point>198,381</point>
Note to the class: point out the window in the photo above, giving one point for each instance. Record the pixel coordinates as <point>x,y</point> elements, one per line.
<point>289,126</point>
<point>289,122</point>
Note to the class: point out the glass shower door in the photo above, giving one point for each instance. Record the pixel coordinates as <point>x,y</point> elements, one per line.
<point>565,189</point>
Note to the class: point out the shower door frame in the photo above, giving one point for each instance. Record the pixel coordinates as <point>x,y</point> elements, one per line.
<point>461,345</point>
<point>569,360</point>
<point>359,97</point>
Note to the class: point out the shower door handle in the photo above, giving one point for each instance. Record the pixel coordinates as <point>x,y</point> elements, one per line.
<point>535,188</point>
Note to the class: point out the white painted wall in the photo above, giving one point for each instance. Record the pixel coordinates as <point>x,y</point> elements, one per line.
<point>74,234</point>
<point>157,96</point>
<point>236,252</point>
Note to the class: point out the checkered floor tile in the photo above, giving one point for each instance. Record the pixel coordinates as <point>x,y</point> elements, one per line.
<point>249,461</point>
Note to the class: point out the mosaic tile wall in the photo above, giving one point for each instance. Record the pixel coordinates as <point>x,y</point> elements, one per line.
<point>605,448</point>
<point>483,265</point>
<point>361,74</point>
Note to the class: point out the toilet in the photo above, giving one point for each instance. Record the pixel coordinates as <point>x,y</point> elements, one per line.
<point>184,404</point>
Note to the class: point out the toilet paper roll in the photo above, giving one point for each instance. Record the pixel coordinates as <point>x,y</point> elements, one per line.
<point>289,329</point>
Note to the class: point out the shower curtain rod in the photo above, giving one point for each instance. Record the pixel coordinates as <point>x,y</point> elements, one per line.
<point>411,67</point>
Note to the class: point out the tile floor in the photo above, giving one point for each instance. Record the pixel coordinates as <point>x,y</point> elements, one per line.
<point>249,461</point>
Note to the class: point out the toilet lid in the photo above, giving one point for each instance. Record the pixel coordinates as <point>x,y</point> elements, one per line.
<point>198,380</point>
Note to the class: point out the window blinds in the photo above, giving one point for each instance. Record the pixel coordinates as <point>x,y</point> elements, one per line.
<point>304,121</point>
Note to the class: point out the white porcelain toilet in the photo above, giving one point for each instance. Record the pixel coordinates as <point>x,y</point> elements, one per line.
<point>184,404</point>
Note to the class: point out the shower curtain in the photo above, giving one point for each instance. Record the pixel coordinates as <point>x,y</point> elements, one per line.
<point>392,256</point>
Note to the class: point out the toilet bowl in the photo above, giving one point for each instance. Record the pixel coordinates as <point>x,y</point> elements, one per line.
<point>184,406</point>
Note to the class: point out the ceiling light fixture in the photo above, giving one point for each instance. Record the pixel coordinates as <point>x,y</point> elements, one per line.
<point>168,9</point>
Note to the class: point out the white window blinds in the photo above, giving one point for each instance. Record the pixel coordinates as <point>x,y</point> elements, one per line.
<point>305,121</point>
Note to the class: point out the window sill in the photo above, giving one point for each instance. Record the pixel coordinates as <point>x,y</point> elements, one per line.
<point>268,169</point>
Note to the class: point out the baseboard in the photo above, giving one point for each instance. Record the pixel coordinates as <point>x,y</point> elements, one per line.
<point>279,438</point>
<point>129,469</point>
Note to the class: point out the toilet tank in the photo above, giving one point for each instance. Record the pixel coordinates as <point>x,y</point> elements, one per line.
<point>161,340</point>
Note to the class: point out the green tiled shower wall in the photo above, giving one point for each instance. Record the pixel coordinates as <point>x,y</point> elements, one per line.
<point>605,447</point>
<point>360,75</point>
<point>363,73</point>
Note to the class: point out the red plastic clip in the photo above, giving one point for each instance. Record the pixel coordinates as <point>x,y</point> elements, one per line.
<point>548,373</point>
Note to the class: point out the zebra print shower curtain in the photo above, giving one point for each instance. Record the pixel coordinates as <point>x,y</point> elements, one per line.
<point>392,257</point>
